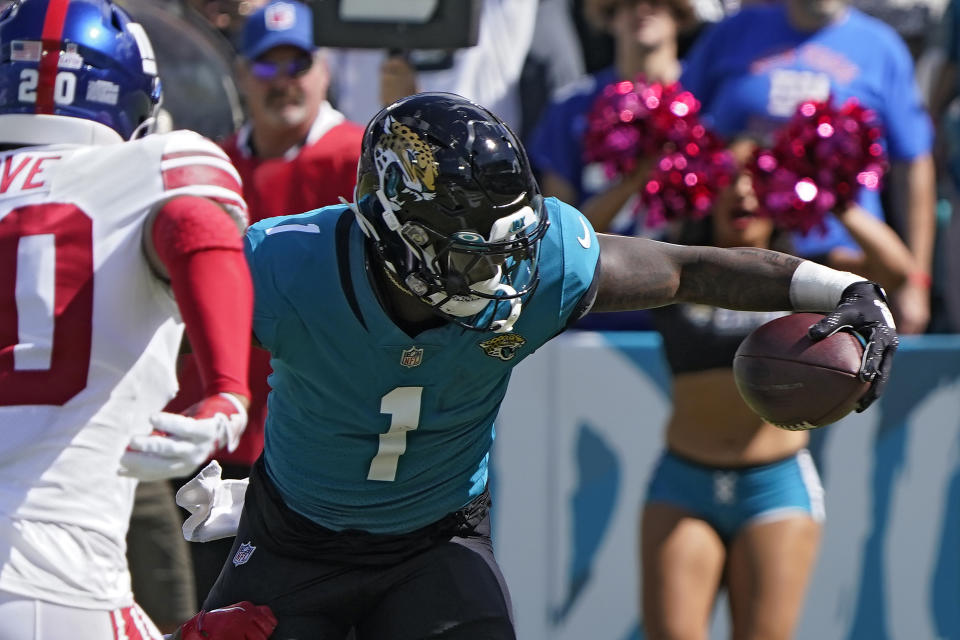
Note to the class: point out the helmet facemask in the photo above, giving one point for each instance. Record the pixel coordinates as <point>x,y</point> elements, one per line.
<point>461,274</point>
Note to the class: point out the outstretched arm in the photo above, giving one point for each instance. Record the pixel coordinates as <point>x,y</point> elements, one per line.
<point>637,273</point>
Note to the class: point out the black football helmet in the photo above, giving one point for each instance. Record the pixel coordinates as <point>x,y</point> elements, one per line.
<point>446,194</point>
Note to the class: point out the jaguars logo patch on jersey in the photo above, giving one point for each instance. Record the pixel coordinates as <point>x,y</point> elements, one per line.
<point>503,346</point>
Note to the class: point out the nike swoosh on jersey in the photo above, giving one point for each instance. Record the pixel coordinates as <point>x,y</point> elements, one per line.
<point>585,240</point>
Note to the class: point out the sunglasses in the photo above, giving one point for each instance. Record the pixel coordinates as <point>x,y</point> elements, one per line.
<point>264,70</point>
<point>610,10</point>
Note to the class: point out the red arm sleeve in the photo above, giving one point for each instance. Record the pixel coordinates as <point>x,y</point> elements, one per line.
<point>202,250</point>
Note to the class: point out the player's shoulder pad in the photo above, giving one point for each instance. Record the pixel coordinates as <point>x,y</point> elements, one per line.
<point>278,248</point>
<point>294,227</point>
<point>191,164</point>
<point>576,247</point>
<point>575,230</point>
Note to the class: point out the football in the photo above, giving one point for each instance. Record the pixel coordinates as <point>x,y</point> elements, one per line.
<point>793,382</point>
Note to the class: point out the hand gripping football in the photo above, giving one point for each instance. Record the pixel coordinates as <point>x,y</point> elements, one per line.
<point>795,383</point>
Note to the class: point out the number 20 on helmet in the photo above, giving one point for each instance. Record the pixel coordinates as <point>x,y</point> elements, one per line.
<point>78,58</point>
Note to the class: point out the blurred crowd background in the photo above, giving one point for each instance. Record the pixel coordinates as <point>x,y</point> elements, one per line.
<point>550,48</point>
<point>531,56</point>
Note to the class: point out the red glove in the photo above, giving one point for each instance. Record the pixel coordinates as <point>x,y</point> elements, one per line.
<point>241,621</point>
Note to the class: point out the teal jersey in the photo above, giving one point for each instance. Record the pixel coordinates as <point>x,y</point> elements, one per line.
<point>367,427</point>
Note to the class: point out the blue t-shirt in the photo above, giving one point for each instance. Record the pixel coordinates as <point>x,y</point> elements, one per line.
<point>369,428</point>
<point>751,70</point>
<point>556,145</point>
<point>556,142</point>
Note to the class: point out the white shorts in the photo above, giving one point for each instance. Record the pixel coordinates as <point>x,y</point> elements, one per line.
<point>28,619</point>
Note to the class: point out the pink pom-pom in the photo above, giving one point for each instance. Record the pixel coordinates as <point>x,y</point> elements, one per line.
<point>685,183</point>
<point>630,121</point>
<point>819,161</point>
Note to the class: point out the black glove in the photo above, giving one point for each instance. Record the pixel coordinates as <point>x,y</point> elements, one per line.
<point>863,309</point>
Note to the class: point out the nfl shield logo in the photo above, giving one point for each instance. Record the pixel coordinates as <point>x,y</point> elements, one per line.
<point>280,16</point>
<point>243,554</point>
<point>411,357</point>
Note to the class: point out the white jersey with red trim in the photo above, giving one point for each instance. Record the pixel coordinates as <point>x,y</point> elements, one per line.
<point>88,343</point>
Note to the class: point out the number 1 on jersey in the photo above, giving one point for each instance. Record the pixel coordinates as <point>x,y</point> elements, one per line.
<point>403,406</point>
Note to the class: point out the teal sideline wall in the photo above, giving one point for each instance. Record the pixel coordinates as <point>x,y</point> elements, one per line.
<point>581,428</point>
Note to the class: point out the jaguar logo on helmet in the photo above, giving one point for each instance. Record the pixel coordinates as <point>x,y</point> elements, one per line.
<point>405,164</point>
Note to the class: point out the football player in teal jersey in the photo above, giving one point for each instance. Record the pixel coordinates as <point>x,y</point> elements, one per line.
<point>394,322</point>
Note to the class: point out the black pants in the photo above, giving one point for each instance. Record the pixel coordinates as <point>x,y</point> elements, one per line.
<point>441,582</point>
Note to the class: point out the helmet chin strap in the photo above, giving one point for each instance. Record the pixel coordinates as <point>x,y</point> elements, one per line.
<point>145,128</point>
<point>506,325</point>
<point>464,306</point>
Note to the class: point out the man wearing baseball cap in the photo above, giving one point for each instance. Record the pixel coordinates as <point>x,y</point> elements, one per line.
<point>276,24</point>
<point>295,153</point>
<point>282,77</point>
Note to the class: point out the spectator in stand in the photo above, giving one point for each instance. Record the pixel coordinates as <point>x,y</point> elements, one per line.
<point>645,33</point>
<point>295,153</point>
<point>488,72</point>
<point>751,70</point>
